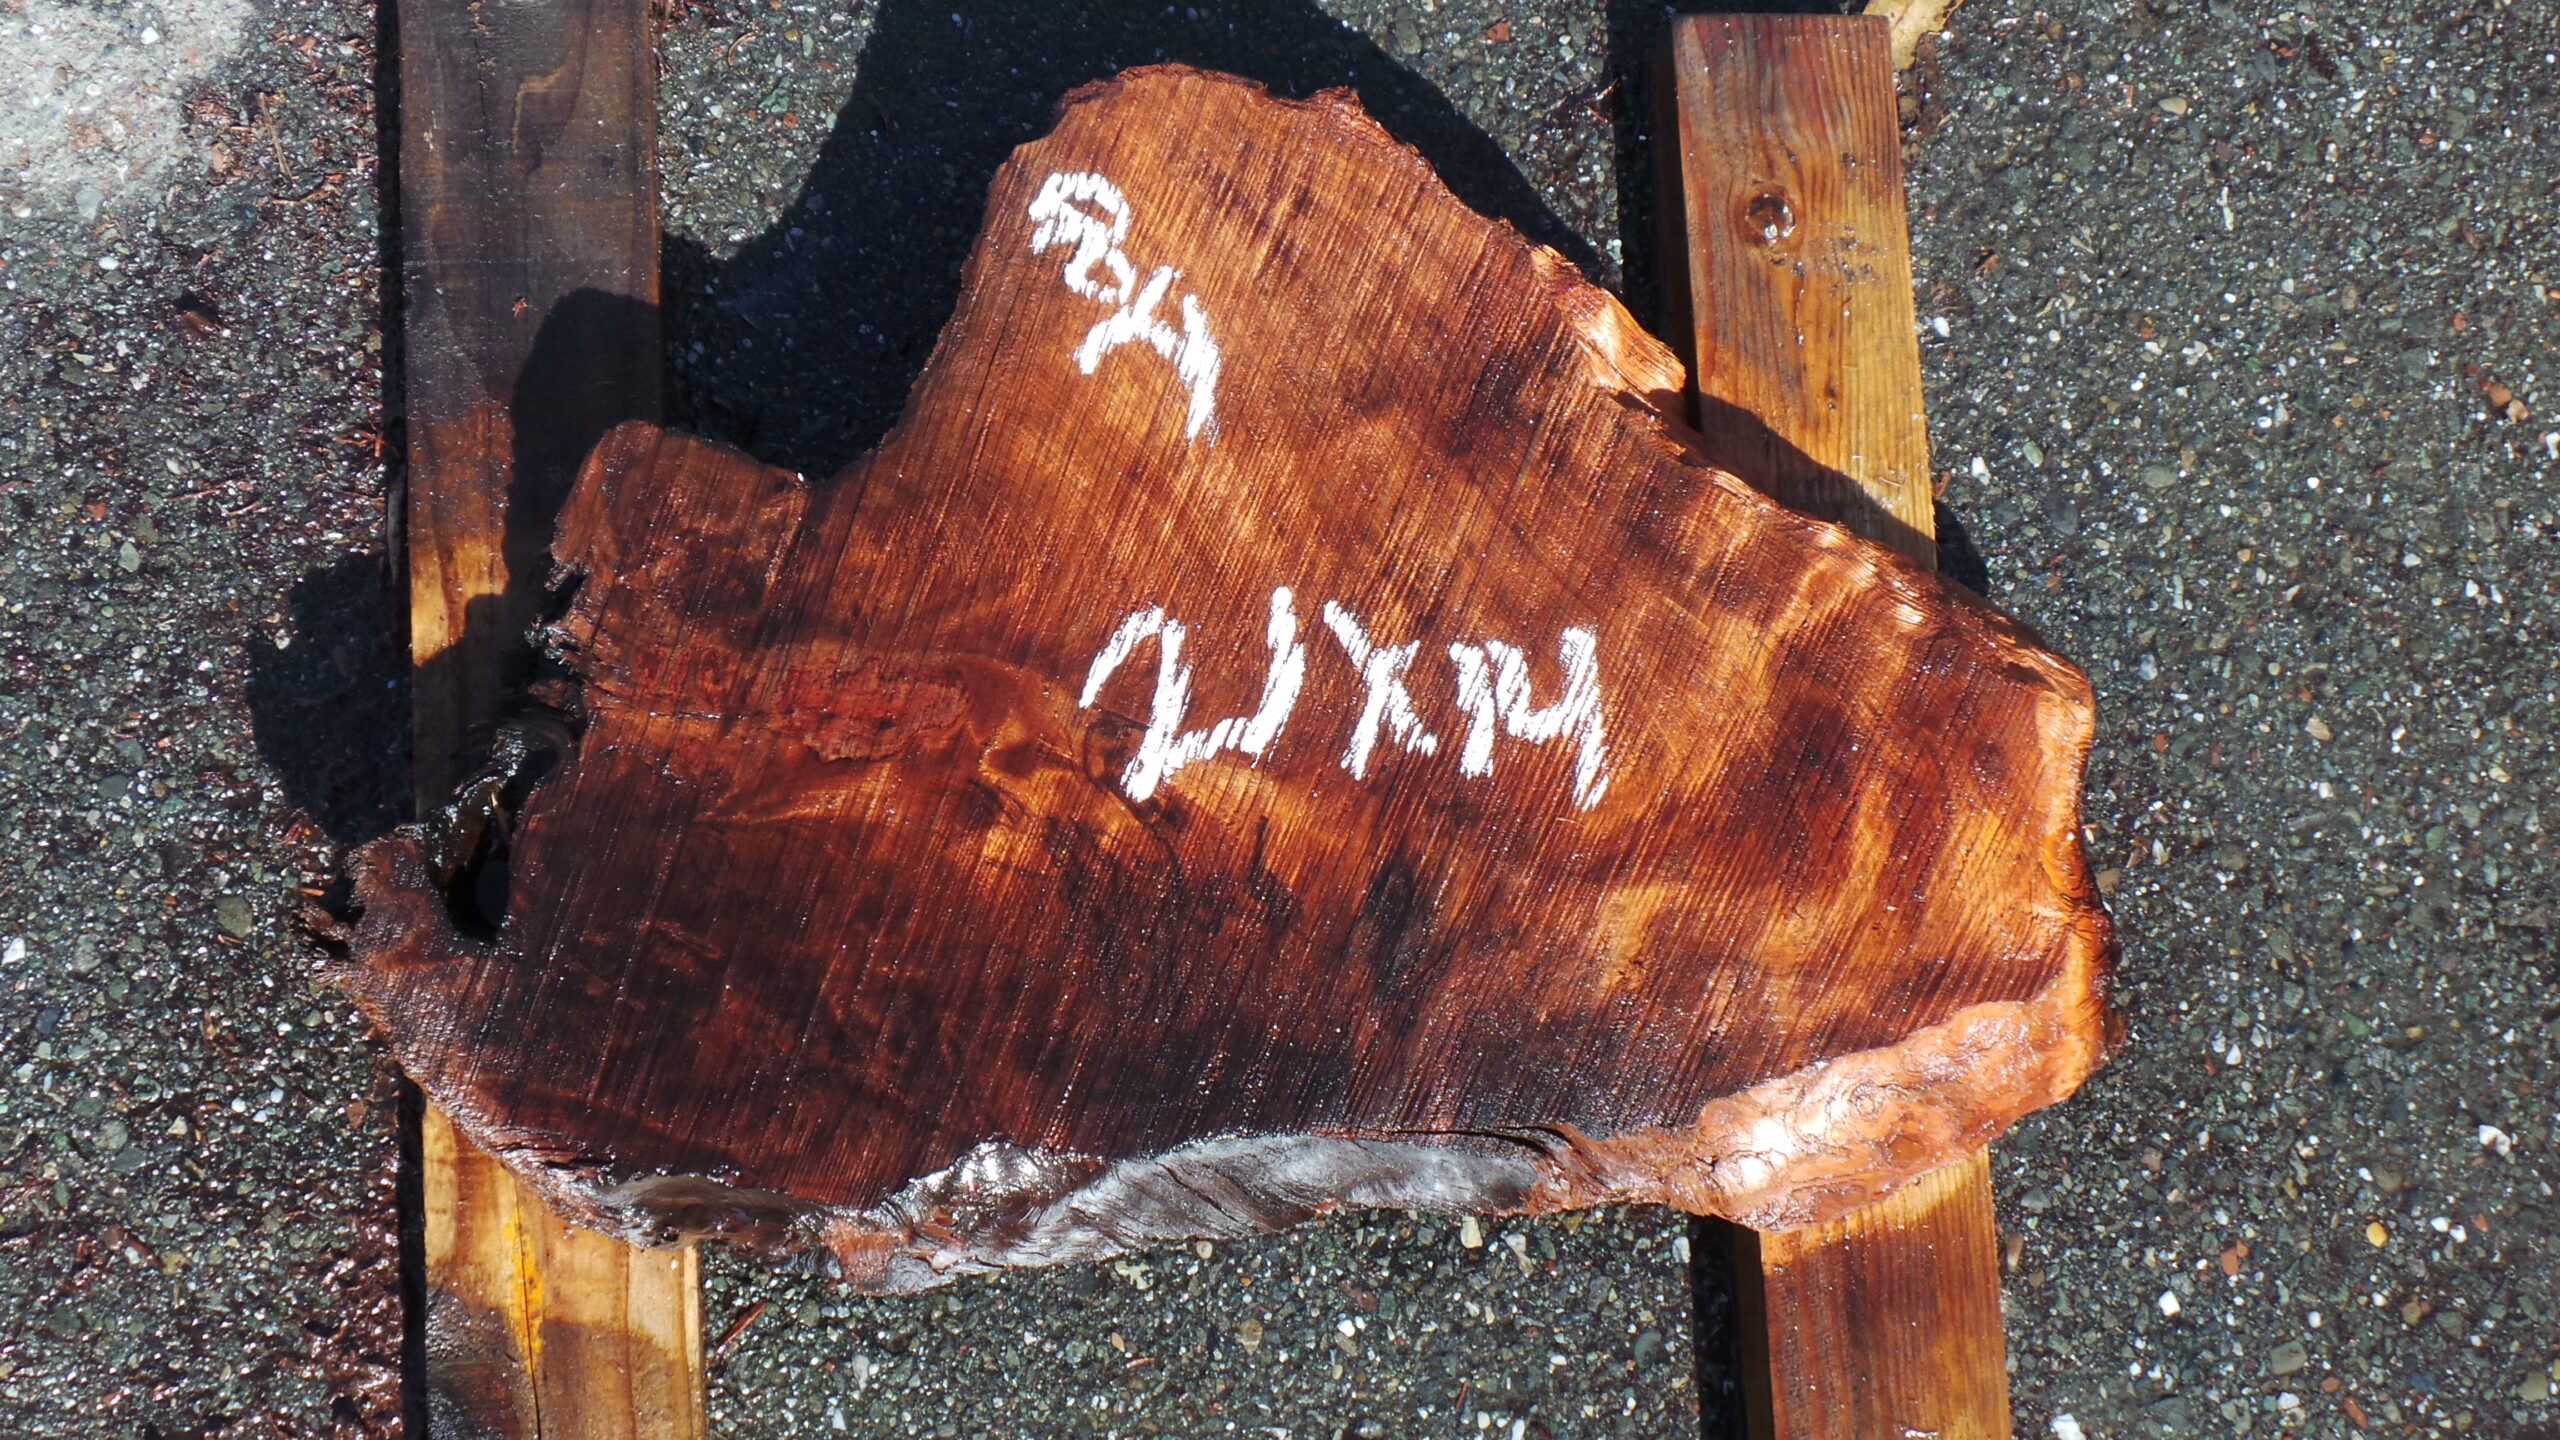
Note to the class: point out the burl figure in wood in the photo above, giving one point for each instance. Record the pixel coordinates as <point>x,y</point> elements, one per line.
<point>1286,721</point>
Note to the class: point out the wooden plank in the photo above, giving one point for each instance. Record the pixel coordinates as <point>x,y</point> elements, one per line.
<point>1787,203</point>
<point>528,227</point>
<point>1882,1324</point>
<point>1188,778</point>
<point>537,1328</point>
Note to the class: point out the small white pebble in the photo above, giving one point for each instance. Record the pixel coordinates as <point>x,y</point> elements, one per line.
<point>108,262</point>
<point>2493,1138</point>
<point>2313,1319</point>
<point>1471,1233</point>
<point>2169,1302</point>
<point>2441,1224</point>
<point>16,951</point>
<point>150,36</point>
<point>2066,1427</point>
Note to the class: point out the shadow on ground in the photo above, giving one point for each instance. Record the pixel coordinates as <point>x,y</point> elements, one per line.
<point>329,699</point>
<point>942,96</point>
<point>802,346</point>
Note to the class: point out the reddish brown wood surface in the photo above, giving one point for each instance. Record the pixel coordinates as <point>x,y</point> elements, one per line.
<point>529,262</point>
<point>1884,1322</point>
<point>1158,795</point>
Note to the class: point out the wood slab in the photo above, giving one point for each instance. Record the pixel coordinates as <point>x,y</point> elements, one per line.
<point>529,265</point>
<point>1288,719</point>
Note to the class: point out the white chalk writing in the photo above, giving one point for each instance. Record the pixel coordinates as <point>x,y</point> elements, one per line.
<point>1087,212</point>
<point>1493,685</point>
<point>1381,670</point>
<point>1492,693</point>
<point>1167,747</point>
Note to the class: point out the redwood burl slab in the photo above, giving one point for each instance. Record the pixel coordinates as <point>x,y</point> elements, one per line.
<point>1284,722</point>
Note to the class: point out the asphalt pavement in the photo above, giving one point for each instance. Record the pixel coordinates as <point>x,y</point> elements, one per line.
<point>2233,318</point>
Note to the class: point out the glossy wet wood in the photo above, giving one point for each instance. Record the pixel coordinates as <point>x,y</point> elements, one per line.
<point>1288,719</point>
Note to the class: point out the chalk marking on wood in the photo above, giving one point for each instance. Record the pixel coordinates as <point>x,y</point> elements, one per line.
<point>1167,747</point>
<point>1280,684</point>
<point>1493,686</point>
<point>1096,234</point>
<point>1494,698</point>
<point>1382,670</point>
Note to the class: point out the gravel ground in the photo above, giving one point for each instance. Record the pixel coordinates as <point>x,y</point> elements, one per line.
<point>2235,321</point>
<point>2233,316</point>
<point>195,1172</point>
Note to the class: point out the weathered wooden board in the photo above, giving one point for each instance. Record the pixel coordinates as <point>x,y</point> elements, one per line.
<point>1884,1322</point>
<point>537,1327</point>
<point>1797,294</point>
<point>1288,719</point>
<point>529,262</point>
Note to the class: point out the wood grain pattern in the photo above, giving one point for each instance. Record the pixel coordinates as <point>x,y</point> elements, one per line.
<point>1787,201</point>
<point>539,1328</point>
<point>1411,777</point>
<point>1884,1322</point>
<point>529,263</point>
